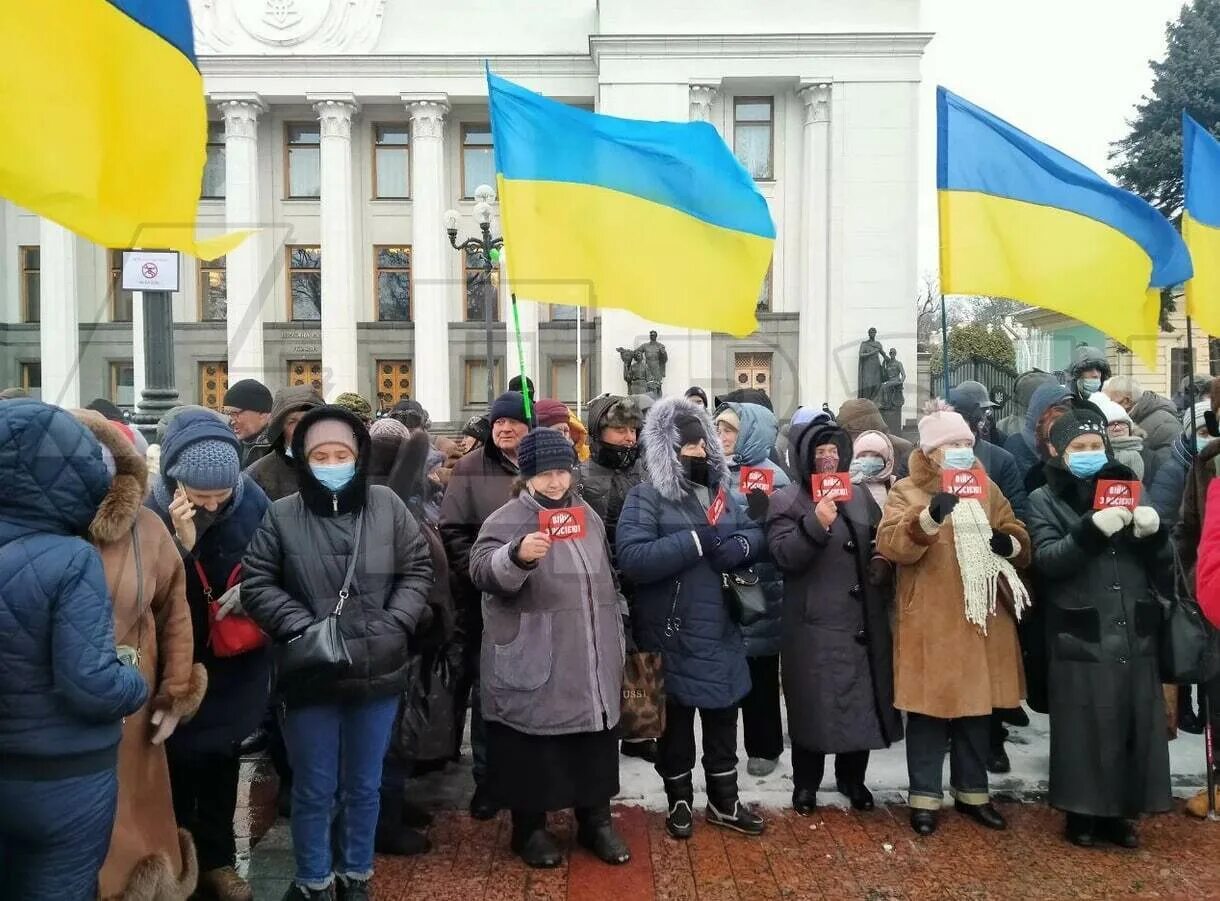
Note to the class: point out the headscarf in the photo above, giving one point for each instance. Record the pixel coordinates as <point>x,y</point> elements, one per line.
<point>878,443</point>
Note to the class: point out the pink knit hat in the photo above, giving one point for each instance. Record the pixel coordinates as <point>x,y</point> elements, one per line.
<point>940,427</point>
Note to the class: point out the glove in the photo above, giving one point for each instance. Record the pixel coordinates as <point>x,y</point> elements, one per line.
<point>1112,520</point>
<point>165,723</point>
<point>757,504</point>
<point>880,571</point>
<point>230,602</point>
<point>731,554</point>
<point>941,505</point>
<point>1147,521</point>
<point>1002,545</point>
<point>707,538</point>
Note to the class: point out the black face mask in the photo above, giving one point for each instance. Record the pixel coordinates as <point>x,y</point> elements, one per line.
<point>697,469</point>
<point>616,456</point>
<point>549,504</point>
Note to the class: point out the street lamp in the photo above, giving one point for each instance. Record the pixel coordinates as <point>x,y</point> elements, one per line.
<point>489,250</point>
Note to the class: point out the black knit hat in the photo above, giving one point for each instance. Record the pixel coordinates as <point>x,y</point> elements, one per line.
<point>1075,422</point>
<point>696,391</point>
<point>478,428</point>
<point>249,394</point>
<point>107,409</point>
<point>543,450</point>
<point>690,429</point>
<point>509,405</point>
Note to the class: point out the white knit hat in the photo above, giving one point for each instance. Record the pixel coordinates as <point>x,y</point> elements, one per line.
<point>1112,410</point>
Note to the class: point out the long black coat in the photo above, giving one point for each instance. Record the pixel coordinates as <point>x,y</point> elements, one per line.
<point>836,653</point>
<point>1109,747</point>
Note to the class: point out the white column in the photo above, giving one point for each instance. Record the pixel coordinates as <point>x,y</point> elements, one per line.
<point>137,344</point>
<point>340,368</point>
<point>59,331</point>
<point>245,265</point>
<point>431,256</point>
<point>815,337</point>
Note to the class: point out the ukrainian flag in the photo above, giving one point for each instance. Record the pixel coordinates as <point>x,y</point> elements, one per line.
<point>1020,219</point>
<point>102,120</point>
<point>1201,222</point>
<point>654,217</point>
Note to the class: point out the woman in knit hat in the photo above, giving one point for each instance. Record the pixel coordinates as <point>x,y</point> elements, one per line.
<point>1126,440</point>
<point>551,414</point>
<point>1171,465</point>
<point>1096,569</point>
<point>552,658</point>
<point>212,510</point>
<point>337,724</point>
<point>956,655</point>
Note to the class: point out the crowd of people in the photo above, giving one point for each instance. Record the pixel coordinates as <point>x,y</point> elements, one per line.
<point>347,589</point>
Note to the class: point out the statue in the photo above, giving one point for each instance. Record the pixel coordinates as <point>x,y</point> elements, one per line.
<point>890,396</point>
<point>654,357</point>
<point>872,361</point>
<point>635,371</point>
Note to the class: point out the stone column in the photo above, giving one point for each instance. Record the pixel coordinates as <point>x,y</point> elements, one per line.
<point>432,259</point>
<point>59,332</point>
<point>815,338</point>
<point>246,268</point>
<point>340,367</point>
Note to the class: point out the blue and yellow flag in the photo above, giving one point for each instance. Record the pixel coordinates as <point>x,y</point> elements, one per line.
<point>102,120</point>
<point>1201,222</point>
<point>654,217</point>
<point>1020,219</point>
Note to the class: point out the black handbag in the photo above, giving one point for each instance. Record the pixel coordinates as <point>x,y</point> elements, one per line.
<point>743,593</point>
<point>320,649</point>
<point>1189,653</point>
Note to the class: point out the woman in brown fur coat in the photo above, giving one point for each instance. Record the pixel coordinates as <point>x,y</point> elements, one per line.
<point>150,858</point>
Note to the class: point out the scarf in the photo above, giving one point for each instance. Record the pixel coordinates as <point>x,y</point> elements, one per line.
<point>981,567</point>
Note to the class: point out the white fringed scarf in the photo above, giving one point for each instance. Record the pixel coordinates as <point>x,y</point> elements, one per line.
<point>981,567</point>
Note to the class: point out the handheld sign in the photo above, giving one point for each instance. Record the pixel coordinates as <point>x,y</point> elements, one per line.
<point>834,486</point>
<point>565,524</point>
<point>756,478</point>
<point>716,510</point>
<point>1116,493</point>
<point>967,484</point>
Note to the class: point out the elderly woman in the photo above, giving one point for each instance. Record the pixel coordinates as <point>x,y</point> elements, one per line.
<point>872,465</point>
<point>956,655</point>
<point>552,657</point>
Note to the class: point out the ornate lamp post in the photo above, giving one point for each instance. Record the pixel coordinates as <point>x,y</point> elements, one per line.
<point>488,250</point>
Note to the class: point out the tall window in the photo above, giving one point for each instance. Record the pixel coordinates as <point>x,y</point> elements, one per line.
<point>31,379</point>
<point>305,283</point>
<point>764,293</point>
<point>120,300</point>
<point>392,161</point>
<point>123,384</point>
<point>563,379</point>
<point>393,268</point>
<point>213,291</point>
<point>478,164</point>
<point>303,148</point>
<point>478,289</point>
<point>754,135</point>
<point>474,388</point>
<point>31,283</point>
<point>214,168</point>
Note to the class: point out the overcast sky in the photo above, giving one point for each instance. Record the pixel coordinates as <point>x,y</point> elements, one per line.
<point>1069,72</point>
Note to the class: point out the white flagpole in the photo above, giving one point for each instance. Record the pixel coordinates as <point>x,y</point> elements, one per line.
<point>579,366</point>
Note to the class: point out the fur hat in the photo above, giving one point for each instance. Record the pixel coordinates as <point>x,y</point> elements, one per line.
<point>941,426</point>
<point>543,450</point>
<point>623,414</point>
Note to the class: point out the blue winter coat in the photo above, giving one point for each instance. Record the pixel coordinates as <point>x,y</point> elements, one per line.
<point>704,656</point>
<point>1022,446</point>
<point>1002,469</point>
<point>755,442</point>
<point>1169,481</point>
<point>63,692</point>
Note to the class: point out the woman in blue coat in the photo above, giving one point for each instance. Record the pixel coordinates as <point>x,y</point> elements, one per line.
<point>677,559</point>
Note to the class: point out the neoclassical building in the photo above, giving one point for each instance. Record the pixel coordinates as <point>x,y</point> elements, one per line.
<point>344,130</point>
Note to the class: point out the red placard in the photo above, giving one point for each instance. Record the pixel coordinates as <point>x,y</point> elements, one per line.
<point>565,524</point>
<point>835,486</point>
<point>755,477</point>
<point>716,510</point>
<point>968,484</point>
<point>1117,493</point>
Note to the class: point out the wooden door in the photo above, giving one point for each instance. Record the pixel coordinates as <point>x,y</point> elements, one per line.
<point>393,382</point>
<point>305,372</point>
<point>752,370</point>
<point>213,383</point>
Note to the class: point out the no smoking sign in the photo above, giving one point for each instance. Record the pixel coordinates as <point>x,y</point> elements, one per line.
<point>150,270</point>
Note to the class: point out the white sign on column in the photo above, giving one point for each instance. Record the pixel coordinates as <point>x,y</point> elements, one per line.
<point>815,338</point>
<point>59,330</point>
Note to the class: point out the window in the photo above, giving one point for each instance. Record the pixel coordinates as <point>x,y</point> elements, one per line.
<point>123,384</point>
<point>120,300</point>
<point>392,161</point>
<point>478,164</point>
<point>31,283</point>
<point>305,372</point>
<point>764,293</point>
<point>474,390</point>
<point>393,382</point>
<point>562,312</point>
<point>213,291</point>
<point>393,270</point>
<point>478,290</point>
<point>563,379</point>
<point>214,167</point>
<point>213,383</point>
<point>1179,366</point>
<point>31,379</point>
<point>305,283</point>
<point>303,147</point>
<point>753,135</point>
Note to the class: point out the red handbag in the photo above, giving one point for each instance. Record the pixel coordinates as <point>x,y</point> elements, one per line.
<point>236,633</point>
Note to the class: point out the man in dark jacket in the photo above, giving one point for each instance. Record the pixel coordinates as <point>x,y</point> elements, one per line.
<point>1158,416</point>
<point>275,473</point>
<point>1024,446</point>
<point>861,415</point>
<point>1168,483</point>
<point>248,405</point>
<point>63,690</point>
<point>480,485</point>
<point>1022,393</point>
<point>1088,372</point>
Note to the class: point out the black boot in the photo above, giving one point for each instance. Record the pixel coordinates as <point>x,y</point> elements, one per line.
<point>532,843</point>
<point>595,832</point>
<point>1015,716</point>
<point>1118,831</point>
<point>804,801</point>
<point>300,893</point>
<point>392,837</point>
<point>1187,720</point>
<point>680,792</point>
<point>724,807</point>
<point>414,816</point>
<point>983,814</point>
<point>352,889</point>
<point>482,807</point>
<point>923,821</point>
<point>861,798</point>
<point>1079,830</point>
<point>644,750</point>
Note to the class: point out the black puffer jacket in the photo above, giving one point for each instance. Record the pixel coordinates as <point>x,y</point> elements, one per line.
<point>297,561</point>
<point>603,479</point>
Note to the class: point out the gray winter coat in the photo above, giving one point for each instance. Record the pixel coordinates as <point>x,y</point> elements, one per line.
<point>1159,419</point>
<point>552,654</point>
<point>275,472</point>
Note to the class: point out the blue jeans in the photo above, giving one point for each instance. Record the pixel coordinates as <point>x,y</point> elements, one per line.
<point>336,752</point>
<point>54,836</point>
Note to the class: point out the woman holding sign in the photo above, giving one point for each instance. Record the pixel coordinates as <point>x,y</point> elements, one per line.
<point>955,542</point>
<point>1096,557</point>
<point>552,657</point>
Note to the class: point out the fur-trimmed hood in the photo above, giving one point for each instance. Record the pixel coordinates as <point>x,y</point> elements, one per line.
<point>129,487</point>
<point>660,439</point>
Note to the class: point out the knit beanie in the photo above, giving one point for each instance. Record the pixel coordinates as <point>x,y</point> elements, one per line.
<point>942,427</point>
<point>1075,422</point>
<point>543,450</point>
<point>411,413</point>
<point>349,400</point>
<point>729,417</point>
<point>1113,411</point>
<point>330,431</point>
<point>550,413</point>
<point>248,394</point>
<point>1202,408</point>
<point>509,405</point>
<point>690,429</point>
<point>478,428</point>
<point>696,391</point>
<point>208,464</point>
<point>390,428</point>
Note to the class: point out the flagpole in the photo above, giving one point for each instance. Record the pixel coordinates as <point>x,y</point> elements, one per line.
<point>579,368</point>
<point>944,342</point>
<point>525,385</point>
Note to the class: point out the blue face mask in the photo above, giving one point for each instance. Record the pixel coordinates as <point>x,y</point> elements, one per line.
<point>1090,386</point>
<point>334,477</point>
<point>867,467</point>
<point>1086,464</point>
<point>959,458</point>
<point>1202,441</point>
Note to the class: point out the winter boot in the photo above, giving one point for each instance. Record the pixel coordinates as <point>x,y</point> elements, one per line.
<point>482,807</point>
<point>1079,830</point>
<point>644,750</point>
<point>300,893</point>
<point>352,889</point>
<point>595,832</point>
<point>680,791</point>
<point>392,837</point>
<point>414,816</point>
<point>724,807</point>
<point>1187,720</point>
<point>223,884</point>
<point>761,766</point>
<point>532,842</point>
<point>1118,831</point>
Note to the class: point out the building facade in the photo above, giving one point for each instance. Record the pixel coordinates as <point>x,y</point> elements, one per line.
<point>343,130</point>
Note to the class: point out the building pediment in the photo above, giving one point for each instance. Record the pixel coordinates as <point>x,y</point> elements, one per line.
<point>286,26</point>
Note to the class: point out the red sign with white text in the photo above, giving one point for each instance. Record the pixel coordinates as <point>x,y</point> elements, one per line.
<point>565,524</point>
<point>834,486</point>
<point>967,484</point>
<point>755,478</point>
<point>716,510</point>
<point>1117,493</point>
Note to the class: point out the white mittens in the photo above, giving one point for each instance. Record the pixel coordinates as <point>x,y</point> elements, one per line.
<point>1147,522</point>
<point>1112,520</point>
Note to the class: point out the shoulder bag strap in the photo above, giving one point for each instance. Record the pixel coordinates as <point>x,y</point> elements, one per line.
<point>351,565</point>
